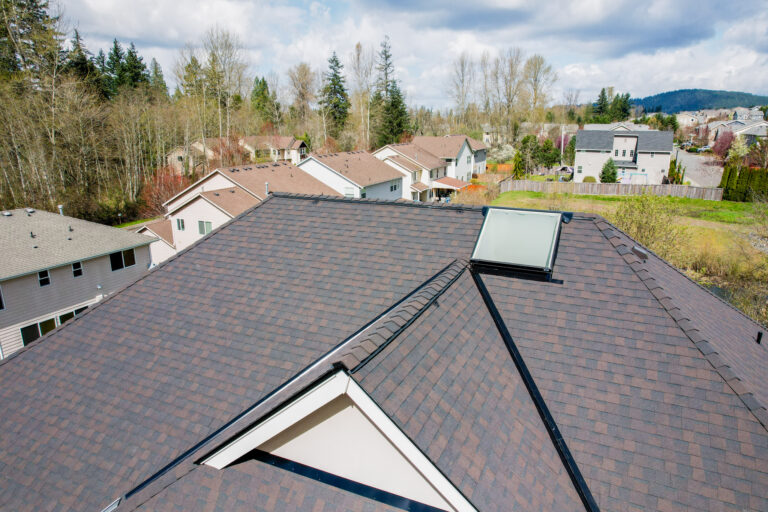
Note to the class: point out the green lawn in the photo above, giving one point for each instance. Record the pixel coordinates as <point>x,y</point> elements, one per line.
<point>134,222</point>
<point>728,212</point>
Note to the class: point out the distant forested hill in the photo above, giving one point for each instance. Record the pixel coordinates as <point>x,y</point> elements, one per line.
<point>697,99</point>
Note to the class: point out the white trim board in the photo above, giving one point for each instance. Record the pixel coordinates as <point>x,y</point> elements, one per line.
<point>441,492</point>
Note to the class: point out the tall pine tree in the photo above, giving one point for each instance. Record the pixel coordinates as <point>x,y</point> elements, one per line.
<point>391,119</point>
<point>334,98</point>
<point>157,80</point>
<point>134,71</point>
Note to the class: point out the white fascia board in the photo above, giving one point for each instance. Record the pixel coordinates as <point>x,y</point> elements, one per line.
<point>306,404</point>
<point>332,170</point>
<point>333,387</point>
<point>198,182</point>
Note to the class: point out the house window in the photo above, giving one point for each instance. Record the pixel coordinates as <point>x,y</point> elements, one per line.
<point>469,159</point>
<point>77,269</point>
<point>2,304</point>
<point>204,227</point>
<point>651,155</point>
<point>122,259</point>
<point>180,224</point>
<point>393,186</point>
<point>180,158</point>
<point>80,310</point>
<point>362,193</point>
<point>43,278</point>
<point>432,174</point>
<point>32,332</point>
<point>643,170</point>
<point>631,153</point>
<point>66,317</point>
<point>623,152</point>
<point>413,177</point>
<point>579,170</point>
<point>616,153</point>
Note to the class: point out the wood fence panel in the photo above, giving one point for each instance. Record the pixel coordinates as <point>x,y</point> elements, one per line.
<point>611,189</point>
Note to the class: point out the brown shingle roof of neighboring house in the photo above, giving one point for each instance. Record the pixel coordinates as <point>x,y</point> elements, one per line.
<point>269,141</point>
<point>446,146</point>
<point>233,201</point>
<point>419,155</point>
<point>654,414</point>
<point>162,229</point>
<point>281,176</point>
<point>404,162</point>
<point>419,186</point>
<point>360,167</point>
<point>451,182</point>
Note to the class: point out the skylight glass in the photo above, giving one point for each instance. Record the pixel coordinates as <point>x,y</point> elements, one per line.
<point>518,238</point>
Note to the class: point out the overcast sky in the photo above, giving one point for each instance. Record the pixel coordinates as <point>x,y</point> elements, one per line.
<point>641,47</point>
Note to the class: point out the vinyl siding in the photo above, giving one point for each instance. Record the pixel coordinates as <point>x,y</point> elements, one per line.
<point>214,182</point>
<point>195,211</point>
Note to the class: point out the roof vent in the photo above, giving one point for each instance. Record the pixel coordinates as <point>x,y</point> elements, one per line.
<point>30,210</point>
<point>31,234</point>
<point>522,240</point>
<point>640,252</point>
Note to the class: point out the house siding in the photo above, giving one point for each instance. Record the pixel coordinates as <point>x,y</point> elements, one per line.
<point>159,251</point>
<point>193,212</point>
<point>330,178</point>
<point>26,301</point>
<point>460,169</point>
<point>382,190</point>
<point>214,182</point>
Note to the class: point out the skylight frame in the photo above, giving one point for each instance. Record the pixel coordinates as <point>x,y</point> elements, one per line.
<point>544,270</point>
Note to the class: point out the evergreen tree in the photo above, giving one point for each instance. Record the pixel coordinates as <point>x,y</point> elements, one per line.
<point>518,167</point>
<point>134,71</point>
<point>390,114</point>
<point>156,79</point>
<point>569,154</point>
<point>609,172</point>
<point>334,98</point>
<point>730,188</point>
<point>386,68</point>
<point>192,81</point>
<point>601,107</point>
<point>113,69</point>
<point>724,178</point>
<point>529,150</point>
<point>547,154</point>
<point>81,65</point>
<point>264,102</point>
<point>28,34</point>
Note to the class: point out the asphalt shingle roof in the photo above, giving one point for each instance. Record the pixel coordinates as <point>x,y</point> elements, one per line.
<point>655,416</point>
<point>58,240</point>
<point>602,140</point>
<point>359,166</point>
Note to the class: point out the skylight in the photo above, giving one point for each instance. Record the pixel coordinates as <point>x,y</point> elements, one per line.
<point>524,239</point>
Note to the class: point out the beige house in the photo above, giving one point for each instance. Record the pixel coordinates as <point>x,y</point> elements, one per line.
<point>357,174</point>
<point>640,156</point>
<point>54,267</point>
<point>163,246</point>
<point>275,147</point>
<point>421,169</point>
<point>463,155</point>
<point>226,193</point>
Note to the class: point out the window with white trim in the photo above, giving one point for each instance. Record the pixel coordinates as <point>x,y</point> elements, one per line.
<point>204,227</point>
<point>469,159</point>
<point>180,224</point>
<point>394,185</point>
<point>43,278</point>
<point>77,269</point>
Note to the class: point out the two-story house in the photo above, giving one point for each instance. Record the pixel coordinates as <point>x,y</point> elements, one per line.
<point>225,193</point>
<point>357,174</point>
<point>421,169</point>
<point>52,267</point>
<point>463,155</point>
<point>640,156</point>
<point>275,148</point>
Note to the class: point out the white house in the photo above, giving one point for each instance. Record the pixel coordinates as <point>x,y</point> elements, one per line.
<point>275,148</point>
<point>358,174</point>
<point>54,267</point>
<point>419,167</point>
<point>163,246</point>
<point>641,156</point>
<point>463,155</point>
<point>225,193</point>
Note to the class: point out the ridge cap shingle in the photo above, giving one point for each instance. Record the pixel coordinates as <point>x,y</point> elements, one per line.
<point>704,345</point>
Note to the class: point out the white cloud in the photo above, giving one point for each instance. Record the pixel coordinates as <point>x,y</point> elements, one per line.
<point>642,48</point>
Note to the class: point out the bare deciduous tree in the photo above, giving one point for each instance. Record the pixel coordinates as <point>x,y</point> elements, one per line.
<point>462,82</point>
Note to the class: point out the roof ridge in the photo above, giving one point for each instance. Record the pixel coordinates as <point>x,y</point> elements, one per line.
<point>396,202</point>
<point>707,349</point>
<point>409,307</point>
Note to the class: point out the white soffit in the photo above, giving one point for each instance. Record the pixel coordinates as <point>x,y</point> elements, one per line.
<point>337,428</point>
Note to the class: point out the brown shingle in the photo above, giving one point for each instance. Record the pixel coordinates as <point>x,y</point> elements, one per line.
<point>360,167</point>
<point>233,200</point>
<point>281,176</point>
<point>419,155</point>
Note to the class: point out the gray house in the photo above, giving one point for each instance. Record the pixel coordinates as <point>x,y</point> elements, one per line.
<point>53,267</point>
<point>641,156</point>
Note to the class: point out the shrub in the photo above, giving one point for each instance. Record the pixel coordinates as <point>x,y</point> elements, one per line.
<point>651,221</point>
<point>609,172</point>
<point>589,179</point>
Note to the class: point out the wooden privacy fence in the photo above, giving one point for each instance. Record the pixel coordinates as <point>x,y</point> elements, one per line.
<point>611,189</point>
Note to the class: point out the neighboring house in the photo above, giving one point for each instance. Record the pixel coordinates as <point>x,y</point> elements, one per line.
<point>214,152</point>
<point>626,126</point>
<point>463,155</point>
<point>358,174</point>
<point>751,130</point>
<point>641,157</point>
<point>53,267</point>
<point>420,168</point>
<point>355,355</point>
<point>492,135</point>
<point>690,119</point>
<point>225,193</point>
<point>275,148</point>
<point>748,114</point>
<point>163,247</point>
<point>184,160</point>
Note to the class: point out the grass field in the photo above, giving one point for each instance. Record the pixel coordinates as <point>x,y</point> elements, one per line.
<point>134,222</point>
